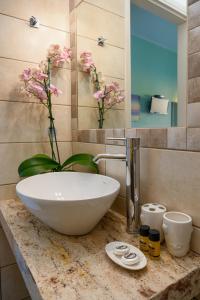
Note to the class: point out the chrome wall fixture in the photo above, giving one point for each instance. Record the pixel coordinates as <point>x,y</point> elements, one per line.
<point>34,22</point>
<point>101,41</point>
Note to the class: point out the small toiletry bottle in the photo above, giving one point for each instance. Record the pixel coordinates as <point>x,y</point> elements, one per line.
<point>144,238</point>
<point>154,243</point>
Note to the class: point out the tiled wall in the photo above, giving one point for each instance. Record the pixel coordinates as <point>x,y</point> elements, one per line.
<point>92,19</point>
<point>194,65</point>
<point>24,122</point>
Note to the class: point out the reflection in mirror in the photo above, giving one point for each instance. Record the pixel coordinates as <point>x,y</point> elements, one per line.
<point>158,63</point>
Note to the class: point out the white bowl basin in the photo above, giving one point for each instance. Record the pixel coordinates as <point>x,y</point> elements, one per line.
<point>69,202</point>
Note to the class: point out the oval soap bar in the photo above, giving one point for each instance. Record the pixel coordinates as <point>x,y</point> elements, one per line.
<point>121,250</point>
<point>130,258</point>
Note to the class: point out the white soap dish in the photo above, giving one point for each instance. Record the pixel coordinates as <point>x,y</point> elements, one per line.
<point>135,262</point>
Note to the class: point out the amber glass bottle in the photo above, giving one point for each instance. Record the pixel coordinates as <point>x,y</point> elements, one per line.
<point>154,243</point>
<point>144,238</point>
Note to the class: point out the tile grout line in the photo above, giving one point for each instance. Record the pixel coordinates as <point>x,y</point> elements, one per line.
<point>92,39</point>
<point>34,142</point>
<point>31,62</point>
<point>111,12</point>
<point>106,75</point>
<point>43,25</point>
<point>32,102</point>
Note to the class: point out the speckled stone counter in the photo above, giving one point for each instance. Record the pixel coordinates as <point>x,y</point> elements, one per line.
<point>56,266</point>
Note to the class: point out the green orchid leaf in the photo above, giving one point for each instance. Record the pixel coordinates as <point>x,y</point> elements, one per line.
<point>36,165</point>
<point>42,155</point>
<point>83,159</point>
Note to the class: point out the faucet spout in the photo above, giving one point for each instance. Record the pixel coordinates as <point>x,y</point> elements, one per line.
<point>106,156</point>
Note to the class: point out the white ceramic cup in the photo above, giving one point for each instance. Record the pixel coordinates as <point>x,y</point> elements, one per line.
<point>152,215</point>
<point>177,229</point>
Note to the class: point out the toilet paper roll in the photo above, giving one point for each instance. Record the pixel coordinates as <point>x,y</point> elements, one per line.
<point>152,215</point>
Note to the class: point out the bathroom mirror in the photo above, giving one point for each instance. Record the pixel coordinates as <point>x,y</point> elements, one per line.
<point>158,63</point>
<point>139,46</point>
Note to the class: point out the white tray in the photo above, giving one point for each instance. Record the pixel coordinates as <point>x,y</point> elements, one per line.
<point>117,259</point>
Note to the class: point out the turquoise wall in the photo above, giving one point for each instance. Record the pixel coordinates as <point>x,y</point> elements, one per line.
<point>154,64</point>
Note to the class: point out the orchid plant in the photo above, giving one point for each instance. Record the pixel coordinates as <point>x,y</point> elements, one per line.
<point>107,95</point>
<point>37,83</point>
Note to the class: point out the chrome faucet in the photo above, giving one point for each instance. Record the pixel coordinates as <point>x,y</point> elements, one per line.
<point>132,159</point>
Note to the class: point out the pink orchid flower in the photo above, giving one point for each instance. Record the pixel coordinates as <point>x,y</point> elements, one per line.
<point>54,90</point>
<point>37,90</point>
<point>38,74</point>
<point>58,56</point>
<point>99,95</point>
<point>66,55</point>
<point>113,86</point>
<point>26,75</point>
<point>86,61</point>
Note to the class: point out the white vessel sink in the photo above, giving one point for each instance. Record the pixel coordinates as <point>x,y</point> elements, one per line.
<point>69,202</point>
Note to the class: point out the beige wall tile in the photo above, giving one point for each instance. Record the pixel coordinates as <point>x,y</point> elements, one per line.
<point>74,136</point>
<point>190,2</point>
<point>155,138</point>
<point>108,59</point>
<point>7,191</point>
<point>49,12</point>
<point>77,2</point>
<point>172,178</point>
<point>176,138</point>
<point>25,43</point>
<point>115,118</point>
<point>103,23</point>
<point>130,132</point>
<point>193,139</point>
<point>71,5</point>
<point>90,148</point>
<point>193,15</point>
<point>88,118</point>
<point>193,113</point>
<point>120,205</point>
<point>194,90</point>
<point>65,150</point>
<point>29,122</point>
<point>114,133</point>
<point>195,243</point>
<point>194,65</point>
<point>85,90</point>
<point>158,138</point>
<point>194,40</point>
<point>12,284</point>
<point>62,80</point>
<point>84,135</point>
<point>100,133</point>
<point>13,154</point>
<point>116,168</point>
<point>143,134</point>
<point>114,6</point>
<point>10,82</point>
<point>6,256</point>
<point>62,116</point>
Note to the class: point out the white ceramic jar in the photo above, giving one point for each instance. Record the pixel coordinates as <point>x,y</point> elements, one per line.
<point>152,215</point>
<point>177,229</point>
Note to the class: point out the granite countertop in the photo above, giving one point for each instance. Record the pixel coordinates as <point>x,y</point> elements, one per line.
<point>55,266</point>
